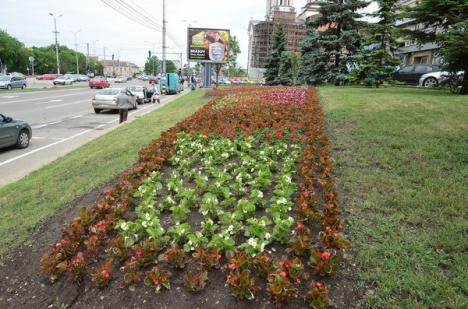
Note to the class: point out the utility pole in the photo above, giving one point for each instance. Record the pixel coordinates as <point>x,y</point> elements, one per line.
<point>56,41</point>
<point>75,33</point>
<point>164,38</point>
<point>104,53</point>
<point>87,56</point>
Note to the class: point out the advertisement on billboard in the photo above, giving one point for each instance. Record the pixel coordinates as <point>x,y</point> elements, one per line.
<point>208,45</point>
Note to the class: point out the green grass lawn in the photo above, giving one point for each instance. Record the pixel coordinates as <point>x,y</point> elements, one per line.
<point>33,199</point>
<point>402,162</point>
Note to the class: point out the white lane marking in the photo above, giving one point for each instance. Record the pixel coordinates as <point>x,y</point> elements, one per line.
<point>39,99</point>
<point>54,101</point>
<point>75,117</point>
<point>52,138</point>
<point>10,96</point>
<point>100,126</point>
<point>66,104</point>
<point>54,122</point>
<point>44,147</point>
<point>39,126</point>
<point>112,121</point>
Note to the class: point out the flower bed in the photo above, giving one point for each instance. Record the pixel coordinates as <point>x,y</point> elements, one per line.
<point>245,185</point>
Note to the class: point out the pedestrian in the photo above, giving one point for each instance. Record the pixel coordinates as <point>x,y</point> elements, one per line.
<point>124,103</point>
<point>193,82</point>
<point>155,90</point>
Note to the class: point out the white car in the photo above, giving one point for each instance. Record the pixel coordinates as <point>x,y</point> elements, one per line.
<point>64,80</point>
<point>434,79</point>
<point>139,92</point>
<point>120,79</point>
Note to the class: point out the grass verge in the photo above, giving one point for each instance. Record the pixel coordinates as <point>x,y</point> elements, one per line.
<point>31,200</point>
<point>402,160</point>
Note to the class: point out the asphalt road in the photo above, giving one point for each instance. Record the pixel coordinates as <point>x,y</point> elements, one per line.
<point>61,120</point>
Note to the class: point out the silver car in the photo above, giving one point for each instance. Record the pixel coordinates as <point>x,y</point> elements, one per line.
<point>139,92</point>
<point>434,79</point>
<point>107,99</point>
<point>63,80</point>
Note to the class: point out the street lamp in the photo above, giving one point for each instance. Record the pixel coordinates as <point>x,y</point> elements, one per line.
<point>75,33</point>
<point>56,41</point>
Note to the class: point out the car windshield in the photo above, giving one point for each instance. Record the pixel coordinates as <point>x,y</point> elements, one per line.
<point>136,88</point>
<point>109,91</point>
<point>5,78</point>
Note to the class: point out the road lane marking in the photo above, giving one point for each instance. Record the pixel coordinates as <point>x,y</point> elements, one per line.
<point>54,122</point>
<point>39,99</point>
<point>75,117</point>
<point>55,101</point>
<point>44,147</point>
<point>39,126</point>
<point>66,104</point>
<point>10,96</point>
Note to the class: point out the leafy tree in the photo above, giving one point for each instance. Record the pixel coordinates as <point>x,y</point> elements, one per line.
<point>170,66</point>
<point>376,59</point>
<point>337,41</point>
<point>152,66</point>
<point>12,53</point>
<point>272,73</point>
<point>446,23</point>
<point>234,51</point>
<point>314,62</point>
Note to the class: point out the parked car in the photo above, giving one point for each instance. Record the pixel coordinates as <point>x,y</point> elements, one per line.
<point>99,82</point>
<point>434,79</point>
<point>139,92</point>
<point>410,74</point>
<point>63,80</point>
<point>107,99</point>
<point>120,79</point>
<point>46,77</point>
<point>9,81</point>
<point>14,132</point>
<point>83,78</point>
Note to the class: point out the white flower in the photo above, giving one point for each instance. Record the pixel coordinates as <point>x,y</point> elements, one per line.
<point>282,201</point>
<point>290,219</point>
<point>147,216</point>
<point>252,242</point>
<point>230,228</point>
<point>267,236</point>
<point>287,178</point>
<point>144,224</point>
<point>124,226</point>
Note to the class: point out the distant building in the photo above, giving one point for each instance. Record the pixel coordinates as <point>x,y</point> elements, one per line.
<point>309,11</point>
<point>119,68</point>
<point>278,12</point>
<point>411,52</point>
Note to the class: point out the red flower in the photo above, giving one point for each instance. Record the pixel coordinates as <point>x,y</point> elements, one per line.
<point>105,273</point>
<point>233,266</point>
<point>283,274</point>
<point>319,285</point>
<point>108,191</point>
<point>101,226</point>
<point>325,255</point>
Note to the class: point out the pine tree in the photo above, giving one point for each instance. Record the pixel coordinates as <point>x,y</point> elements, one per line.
<point>446,23</point>
<point>273,60</point>
<point>337,41</point>
<point>285,73</point>
<point>376,59</point>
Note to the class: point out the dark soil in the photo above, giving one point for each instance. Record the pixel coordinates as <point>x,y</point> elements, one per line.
<point>23,286</point>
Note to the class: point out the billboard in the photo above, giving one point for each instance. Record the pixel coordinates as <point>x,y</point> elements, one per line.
<point>208,45</point>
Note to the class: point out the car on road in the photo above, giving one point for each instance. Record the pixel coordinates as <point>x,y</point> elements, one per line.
<point>139,92</point>
<point>64,80</point>
<point>120,79</point>
<point>410,74</point>
<point>107,99</point>
<point>83,78</point>
<point>9,82</point>
<point>99,82</point>
<point>46,77</point>
<point>14,132</point>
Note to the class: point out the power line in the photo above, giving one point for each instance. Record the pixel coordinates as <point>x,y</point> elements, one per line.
<point>124,12</point>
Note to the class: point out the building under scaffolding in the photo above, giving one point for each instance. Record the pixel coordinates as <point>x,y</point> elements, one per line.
<point>278,12</point>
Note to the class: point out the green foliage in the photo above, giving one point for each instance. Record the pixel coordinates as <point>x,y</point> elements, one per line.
<point>327,54</point>
<point>13,54</point>
<point>170,67</point>
<point>233,68</point>
<point>376,59</point>
<point>276,56</point>
<point>444,22</point>
<point>152,66</point>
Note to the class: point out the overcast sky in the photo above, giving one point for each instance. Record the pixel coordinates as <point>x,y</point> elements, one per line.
<point>29,21</point>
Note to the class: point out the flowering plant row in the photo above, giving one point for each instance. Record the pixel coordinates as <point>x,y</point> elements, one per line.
<point>254,164</point>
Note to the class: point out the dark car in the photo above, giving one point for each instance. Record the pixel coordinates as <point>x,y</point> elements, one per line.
<point>14,132</point>
<point>410,74</point>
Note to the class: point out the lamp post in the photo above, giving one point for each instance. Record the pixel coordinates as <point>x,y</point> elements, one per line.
<point>56,41</point>
<point>75,33</point>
